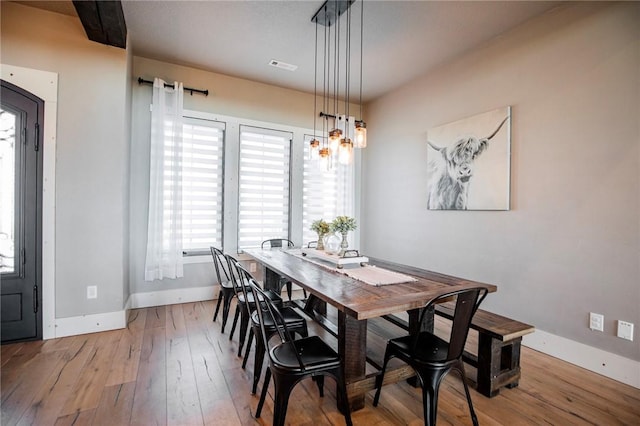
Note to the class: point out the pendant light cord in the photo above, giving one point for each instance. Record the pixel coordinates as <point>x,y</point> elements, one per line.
<point>361,44</point>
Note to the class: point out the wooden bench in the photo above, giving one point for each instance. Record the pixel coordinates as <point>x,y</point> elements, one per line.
<point>498,359</point>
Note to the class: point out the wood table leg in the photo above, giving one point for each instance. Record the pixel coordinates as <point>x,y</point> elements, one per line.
<point>271,280</point>
<point>352,347</point>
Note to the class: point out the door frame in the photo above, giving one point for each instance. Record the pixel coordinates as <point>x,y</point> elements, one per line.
<point>44,85</point>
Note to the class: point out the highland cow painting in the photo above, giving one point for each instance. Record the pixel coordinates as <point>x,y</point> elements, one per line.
<point>468,163</point>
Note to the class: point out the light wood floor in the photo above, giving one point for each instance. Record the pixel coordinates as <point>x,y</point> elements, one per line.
<point>173,366</point>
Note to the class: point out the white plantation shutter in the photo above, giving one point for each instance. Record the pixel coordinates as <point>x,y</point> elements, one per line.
<point>202,184</point>
<point>325,193</point>
<point>264,172</point>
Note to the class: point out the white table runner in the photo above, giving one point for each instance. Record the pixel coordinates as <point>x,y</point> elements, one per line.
<point>368,274</point>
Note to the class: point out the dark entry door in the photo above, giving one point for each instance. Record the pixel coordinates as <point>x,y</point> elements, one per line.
<point>21,119</point>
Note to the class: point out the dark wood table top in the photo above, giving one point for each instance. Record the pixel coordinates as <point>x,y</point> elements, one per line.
<point>356,298</point>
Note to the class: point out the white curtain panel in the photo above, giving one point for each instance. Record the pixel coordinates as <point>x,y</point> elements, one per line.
<point>164,238</point>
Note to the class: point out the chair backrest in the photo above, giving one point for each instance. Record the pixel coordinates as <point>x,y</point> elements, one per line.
<point>277,242</point>
<point>242,277</point>
<point>267,308</point>
<point>221,265</point>
<point>235,274</point>
<point>467,302</point>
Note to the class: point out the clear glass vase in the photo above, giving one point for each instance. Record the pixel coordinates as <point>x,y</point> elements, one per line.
<point>344,244</point>
<point>320,245</point>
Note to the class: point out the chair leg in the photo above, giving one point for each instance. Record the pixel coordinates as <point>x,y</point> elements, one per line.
<point>380,378</point>
<point>257,364</point>
<point>247,349</point>
<point>283,386</point>
<point>263,394</point>
<point>289,290</point>
<point>235,321</point>
<point>215,314</point>
<point>244,325</point>
<point>430,387</point>
<point>463,375</point>
<point>225,308</point>
<point>320,383</point>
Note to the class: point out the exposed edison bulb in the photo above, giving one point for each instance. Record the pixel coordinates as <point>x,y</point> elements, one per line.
<point>325,158</point>
<point>345,151</point>
<point>334,139</point>
<point>360,134</point>
<point>314,149</point>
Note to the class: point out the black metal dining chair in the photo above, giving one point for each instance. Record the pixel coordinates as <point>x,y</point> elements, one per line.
<point>433,357</point>
<point>292,360</point>
<point>294,321</point>
<point>227,292</point>
<point>279,243</point>
<point>245,304</point>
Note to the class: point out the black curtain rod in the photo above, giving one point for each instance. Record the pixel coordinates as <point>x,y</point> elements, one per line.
<point>186,89</point>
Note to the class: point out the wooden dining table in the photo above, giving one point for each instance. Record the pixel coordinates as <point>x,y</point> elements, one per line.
<point>356,302</point>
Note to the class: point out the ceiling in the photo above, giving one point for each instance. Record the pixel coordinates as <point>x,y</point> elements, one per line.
<point>402,39</point>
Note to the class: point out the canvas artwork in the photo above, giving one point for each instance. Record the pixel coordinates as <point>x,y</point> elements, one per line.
<point>468,163</point>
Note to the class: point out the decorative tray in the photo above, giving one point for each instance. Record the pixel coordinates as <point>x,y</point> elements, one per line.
<point>350,257</point>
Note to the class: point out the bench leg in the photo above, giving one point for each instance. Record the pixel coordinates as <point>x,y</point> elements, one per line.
<point>498,364</point>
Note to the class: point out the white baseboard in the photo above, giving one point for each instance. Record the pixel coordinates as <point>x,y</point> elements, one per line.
<point>614,366</point>
<point>92,323</point>
<point>171,297</point>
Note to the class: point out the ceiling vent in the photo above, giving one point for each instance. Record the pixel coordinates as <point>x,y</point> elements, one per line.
<point>283,65</point>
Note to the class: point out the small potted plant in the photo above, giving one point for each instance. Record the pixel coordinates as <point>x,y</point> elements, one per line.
<point>343,224</point>
<point>322,228</point>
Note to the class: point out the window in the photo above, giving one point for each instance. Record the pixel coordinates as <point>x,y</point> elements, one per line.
<point>264,170</point>
<point>325,193</point>
<point>202,185</point>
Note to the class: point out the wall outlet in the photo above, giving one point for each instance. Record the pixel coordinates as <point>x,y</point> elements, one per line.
<point>92,292</point>
<point>596,322</point>
<point>252,267</point>
<point>625,330</point>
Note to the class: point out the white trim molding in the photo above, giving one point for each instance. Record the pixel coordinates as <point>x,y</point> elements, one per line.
<point>92,323</point>
<point>44,84</point>
<point>171,297</point>
<point>610,365</point>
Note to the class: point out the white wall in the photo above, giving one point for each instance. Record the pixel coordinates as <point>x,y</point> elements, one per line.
<point>91,152</point>
<point>570,244</point>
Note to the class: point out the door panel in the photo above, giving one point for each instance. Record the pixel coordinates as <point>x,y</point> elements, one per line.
<point>21,117</point>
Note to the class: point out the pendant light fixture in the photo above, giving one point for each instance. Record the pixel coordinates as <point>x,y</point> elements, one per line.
<point>360,137</point>
<point>338,141</point>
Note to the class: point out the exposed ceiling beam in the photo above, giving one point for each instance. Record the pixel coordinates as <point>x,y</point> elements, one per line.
<point>103,21</point>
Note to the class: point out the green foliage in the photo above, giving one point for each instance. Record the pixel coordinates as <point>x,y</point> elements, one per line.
<point>320,227</point>
<point>343,224</point>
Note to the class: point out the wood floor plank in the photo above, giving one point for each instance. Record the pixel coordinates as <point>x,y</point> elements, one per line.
<point>52,396</point>
<point>79,418</point>
<point>93,376</point>
<point>216,401</point>
<point>115,405</point>
<point>8,350</point>
<point>137,319</point>
<point>183,404</point>
<point>124,367</point>
<point>150,399</point>
<point>18,393</point>
<point>155,317</point>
